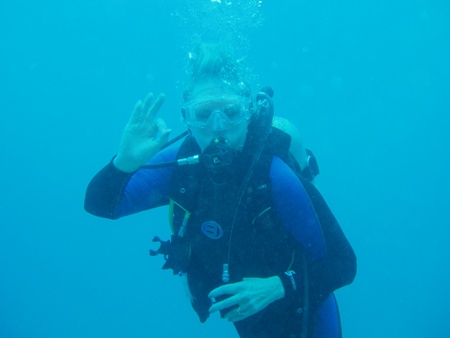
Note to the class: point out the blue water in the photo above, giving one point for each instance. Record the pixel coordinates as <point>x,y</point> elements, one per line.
<point>367,83</point>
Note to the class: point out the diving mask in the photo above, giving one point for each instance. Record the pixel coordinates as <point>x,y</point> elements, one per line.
<point>226,109</point>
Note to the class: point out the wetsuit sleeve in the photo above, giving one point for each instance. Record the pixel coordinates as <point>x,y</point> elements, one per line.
<point>339,266</point>
<point>113,193</point>
<point>331,262</point>
<point>105,191</point>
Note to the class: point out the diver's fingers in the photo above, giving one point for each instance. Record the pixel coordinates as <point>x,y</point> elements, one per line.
<point>153,110</point>
<point>227,289</point>
<point>147,103</point>
<point>225,304</point>
<point>136,115</point>
<point>159,125</point>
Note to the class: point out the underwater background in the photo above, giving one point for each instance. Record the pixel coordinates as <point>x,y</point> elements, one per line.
<point>367,83</point>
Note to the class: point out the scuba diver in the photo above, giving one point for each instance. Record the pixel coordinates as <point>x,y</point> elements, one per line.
<point>253,237</point>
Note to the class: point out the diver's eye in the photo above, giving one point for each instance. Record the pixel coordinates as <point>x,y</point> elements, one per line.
<point>202,114</point>
<point>232,111</point>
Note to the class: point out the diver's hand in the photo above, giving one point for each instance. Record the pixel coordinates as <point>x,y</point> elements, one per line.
<point>144,135</point>
<point>248,297</point>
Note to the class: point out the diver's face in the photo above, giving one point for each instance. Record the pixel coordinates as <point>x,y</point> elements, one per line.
<point>213,111</point>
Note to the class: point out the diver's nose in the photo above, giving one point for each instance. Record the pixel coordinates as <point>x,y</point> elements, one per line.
<point>217,121</point>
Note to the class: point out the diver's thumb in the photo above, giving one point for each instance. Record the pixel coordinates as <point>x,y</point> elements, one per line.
<point>164,137</point>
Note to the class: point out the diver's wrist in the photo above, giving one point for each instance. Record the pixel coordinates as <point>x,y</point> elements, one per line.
<point>125,165</point>
<point>289,282</point>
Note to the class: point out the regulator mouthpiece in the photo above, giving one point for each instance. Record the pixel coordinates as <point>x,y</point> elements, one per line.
<point>218,159</point>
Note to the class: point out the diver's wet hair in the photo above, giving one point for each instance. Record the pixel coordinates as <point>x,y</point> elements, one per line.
<point>212,62</point>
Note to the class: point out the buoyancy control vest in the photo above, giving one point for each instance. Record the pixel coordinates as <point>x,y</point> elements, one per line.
<point>225,232</point>
<point>214,229</point>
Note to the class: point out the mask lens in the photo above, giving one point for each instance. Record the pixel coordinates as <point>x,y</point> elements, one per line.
<point>233,110</point>
<point>201,112</point>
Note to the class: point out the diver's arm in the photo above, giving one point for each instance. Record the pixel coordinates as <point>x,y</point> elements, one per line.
<point>331,260</point>
<point>120,188</point>
<point>339,267</point>
<point>106,191</point>
<point>113,193</point>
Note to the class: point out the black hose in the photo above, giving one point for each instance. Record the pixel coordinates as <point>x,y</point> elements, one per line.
<point>171,163</point>
<point>175,139</point>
